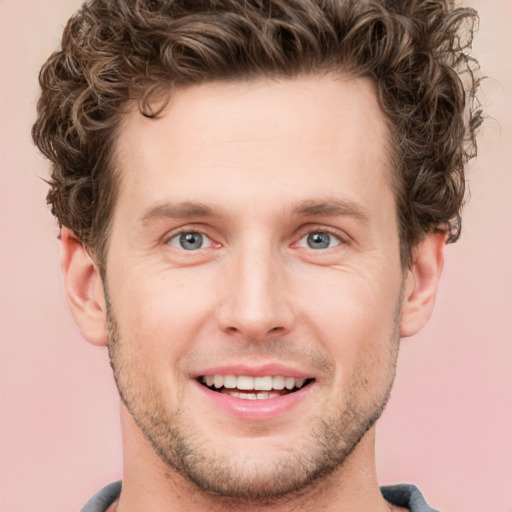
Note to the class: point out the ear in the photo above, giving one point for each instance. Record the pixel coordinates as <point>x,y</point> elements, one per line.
<point>421,283</point>
<point>84,289</point>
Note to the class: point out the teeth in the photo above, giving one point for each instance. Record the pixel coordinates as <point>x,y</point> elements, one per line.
<point>247,383</point>
<point>218,381</point>
<point>263,383</point>
<point>278,382</point>
<point>289,382</point>
<point>230,381</point>
<point>243,382</point>
<point>261,395</point>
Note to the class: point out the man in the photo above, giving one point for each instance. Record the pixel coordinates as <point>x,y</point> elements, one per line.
<point>254,200</point>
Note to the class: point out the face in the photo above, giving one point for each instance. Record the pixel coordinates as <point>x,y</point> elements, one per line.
<point>254,280</point>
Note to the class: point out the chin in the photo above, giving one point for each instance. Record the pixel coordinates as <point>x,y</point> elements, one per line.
<point>255,468</point>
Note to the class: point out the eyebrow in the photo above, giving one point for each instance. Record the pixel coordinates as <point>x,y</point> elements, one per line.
<point>307,208</point>
<point>331,207</point>
<point>180,210</point>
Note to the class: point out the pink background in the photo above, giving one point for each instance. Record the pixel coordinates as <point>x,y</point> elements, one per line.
<point>448,426</point>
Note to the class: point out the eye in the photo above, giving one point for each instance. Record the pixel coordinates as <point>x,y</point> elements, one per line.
<point>190,240</point>
<point>319,240</point>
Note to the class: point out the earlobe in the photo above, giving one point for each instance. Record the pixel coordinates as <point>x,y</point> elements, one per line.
<point>84,289</point>
<point>421,283</point>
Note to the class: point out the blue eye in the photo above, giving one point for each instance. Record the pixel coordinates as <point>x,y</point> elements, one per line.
<point>319,240</point>
<point>189,241</point>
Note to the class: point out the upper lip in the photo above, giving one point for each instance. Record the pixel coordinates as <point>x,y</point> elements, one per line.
<point>262,370</point>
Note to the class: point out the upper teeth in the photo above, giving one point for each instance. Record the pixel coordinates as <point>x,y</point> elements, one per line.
<point>245,382</point>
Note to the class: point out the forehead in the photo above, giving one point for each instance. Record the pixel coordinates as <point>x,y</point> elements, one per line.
<point>238,142</point>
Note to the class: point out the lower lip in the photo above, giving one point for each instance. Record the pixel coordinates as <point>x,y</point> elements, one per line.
<point>255,409</point>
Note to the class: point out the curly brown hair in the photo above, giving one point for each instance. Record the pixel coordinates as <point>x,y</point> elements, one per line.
<point>114,52</point>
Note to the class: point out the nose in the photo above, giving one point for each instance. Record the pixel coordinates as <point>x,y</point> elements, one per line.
<point>255,300</point>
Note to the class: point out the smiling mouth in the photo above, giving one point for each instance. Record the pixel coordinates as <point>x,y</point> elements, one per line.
<point>253,388</point>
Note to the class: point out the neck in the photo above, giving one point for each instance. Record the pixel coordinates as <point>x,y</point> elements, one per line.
<point>150,484</point>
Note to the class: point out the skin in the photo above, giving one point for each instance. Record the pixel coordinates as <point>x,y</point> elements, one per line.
<point>269,163</point>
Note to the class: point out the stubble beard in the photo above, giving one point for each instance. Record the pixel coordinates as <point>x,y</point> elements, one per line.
<point>330,441</point>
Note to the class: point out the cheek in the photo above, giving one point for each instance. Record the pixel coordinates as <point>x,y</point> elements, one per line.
<point>355,320</point>
<point>160,317</point>
<point>158,322</point>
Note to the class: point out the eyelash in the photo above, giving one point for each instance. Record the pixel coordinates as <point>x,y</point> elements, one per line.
<point>321,231</point>
<point>184,232</point>
<point>302,235</point>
